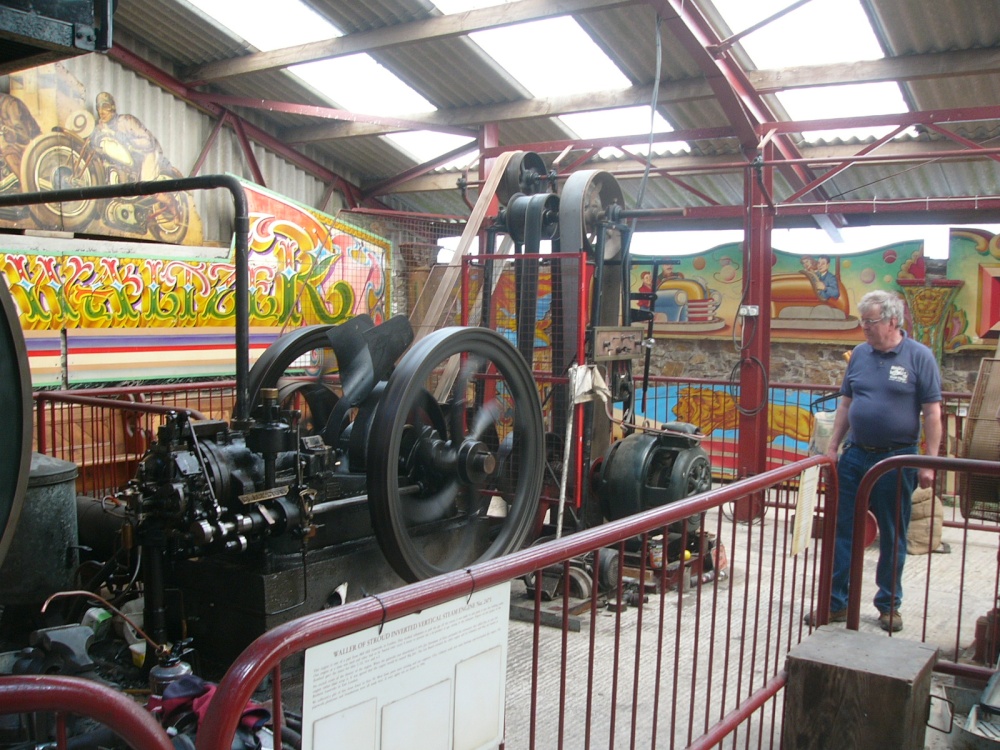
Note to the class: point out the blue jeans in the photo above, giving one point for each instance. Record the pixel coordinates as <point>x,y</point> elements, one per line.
<point>893,523</point>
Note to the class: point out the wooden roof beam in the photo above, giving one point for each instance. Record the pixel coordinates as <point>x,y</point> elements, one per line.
<point>413,32</point>
<point>912,68</point>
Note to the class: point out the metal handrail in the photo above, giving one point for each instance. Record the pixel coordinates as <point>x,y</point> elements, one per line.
<point>81,697</point>
<point>264,656</point>
<point>863,497</point>
<point>241,240</point>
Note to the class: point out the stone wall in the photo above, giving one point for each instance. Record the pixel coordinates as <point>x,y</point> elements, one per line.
<point>820,364</point>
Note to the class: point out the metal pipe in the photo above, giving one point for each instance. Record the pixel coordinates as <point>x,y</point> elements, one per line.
<point>111,403</point>
<point>729,41</point>
<point>241,231</point>
<point>886,158</point>
<point>348,502</point>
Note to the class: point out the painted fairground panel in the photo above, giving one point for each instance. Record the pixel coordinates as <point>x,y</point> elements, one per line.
<point>814,297</point>
<point>129,311</point>
<point>503,319</point>
<point>57,135</point>
<point>951,305</point>
<point>715,410</point>
<point>504,311</point>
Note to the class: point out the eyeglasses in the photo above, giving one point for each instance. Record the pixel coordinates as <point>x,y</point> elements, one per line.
<point>868,323</point>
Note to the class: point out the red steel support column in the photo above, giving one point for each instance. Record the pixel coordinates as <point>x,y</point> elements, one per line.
<point>755,349</point>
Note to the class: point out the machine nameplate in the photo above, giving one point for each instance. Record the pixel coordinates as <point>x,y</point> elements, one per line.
<point>257,497</point>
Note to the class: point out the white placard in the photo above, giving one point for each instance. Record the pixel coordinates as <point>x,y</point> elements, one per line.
<point>804,508</point>
<point>434,680</point>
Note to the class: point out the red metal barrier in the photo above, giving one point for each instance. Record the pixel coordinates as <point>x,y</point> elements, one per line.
<point>106,431</point>
<point>718,649</point>
<point>71,695</point>
<point>736,641</point>
<point>723,641</point>
<point>938,464</point>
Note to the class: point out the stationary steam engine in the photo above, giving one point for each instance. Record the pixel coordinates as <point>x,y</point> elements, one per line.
<point>368,458</point>
<point>440,456</point>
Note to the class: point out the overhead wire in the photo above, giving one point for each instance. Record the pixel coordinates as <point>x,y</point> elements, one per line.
<point>641,194</point>
<point>640,198</point>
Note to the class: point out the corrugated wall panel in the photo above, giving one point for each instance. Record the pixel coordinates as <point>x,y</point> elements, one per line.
<point>182,131</point>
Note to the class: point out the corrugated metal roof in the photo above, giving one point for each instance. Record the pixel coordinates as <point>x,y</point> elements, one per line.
<point>907,28</point>
<point>455,74</point>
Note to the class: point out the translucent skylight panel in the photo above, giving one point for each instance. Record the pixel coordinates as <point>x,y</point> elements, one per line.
<point>356,83</point>
<point>359,84</point>
<point>458,6</point>
<point>557,58</point>
<point>855,100</point>
<point>635,121</point>
<point>256,21</point>
<point>426,145</point>
<point>551,58</point>
<point>817,33</point>
<point>821,32</point>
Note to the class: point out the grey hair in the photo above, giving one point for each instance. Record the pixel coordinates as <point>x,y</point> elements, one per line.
<point>890,304</point>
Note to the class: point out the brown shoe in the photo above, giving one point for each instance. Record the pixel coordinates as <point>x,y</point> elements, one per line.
<point>893,624</point>
<point>836,615</point>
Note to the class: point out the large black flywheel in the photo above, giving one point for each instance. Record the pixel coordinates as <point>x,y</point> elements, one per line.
<point>16,407</point>
<point>455,454</point>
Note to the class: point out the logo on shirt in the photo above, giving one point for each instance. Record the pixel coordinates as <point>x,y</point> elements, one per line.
<point>898,374</point>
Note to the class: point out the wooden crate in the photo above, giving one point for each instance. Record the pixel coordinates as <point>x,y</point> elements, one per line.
<point>857,691</point>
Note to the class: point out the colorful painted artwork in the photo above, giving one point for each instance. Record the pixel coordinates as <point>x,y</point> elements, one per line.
<point>58,136</point>
<point>121,315</point>
<point>814,296</point>
<point>713,409</point>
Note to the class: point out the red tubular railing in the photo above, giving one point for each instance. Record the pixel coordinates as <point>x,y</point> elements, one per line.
<point>106,431</point>
<point>105,437</point>
<point>80,697</point>
<point>693,649</point>
<point>264,656</point>
<point>856,578</point>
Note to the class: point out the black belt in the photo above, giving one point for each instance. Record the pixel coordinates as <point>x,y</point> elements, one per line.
<point>881,449</point>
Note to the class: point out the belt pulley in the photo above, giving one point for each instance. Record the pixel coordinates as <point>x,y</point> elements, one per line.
<point>525,173</point>
<point>530,219</point>
<point>450,443</point>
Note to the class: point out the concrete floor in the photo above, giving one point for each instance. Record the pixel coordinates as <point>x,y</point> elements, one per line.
<point>931,584</point>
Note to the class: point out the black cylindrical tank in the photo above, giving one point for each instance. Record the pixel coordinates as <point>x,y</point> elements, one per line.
<point>43,551</point>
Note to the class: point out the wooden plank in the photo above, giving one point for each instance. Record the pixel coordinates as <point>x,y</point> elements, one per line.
<point>447,288</point>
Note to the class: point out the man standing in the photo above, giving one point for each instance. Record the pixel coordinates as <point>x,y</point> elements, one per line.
<point>645,288</point>
<point>890,381</point>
